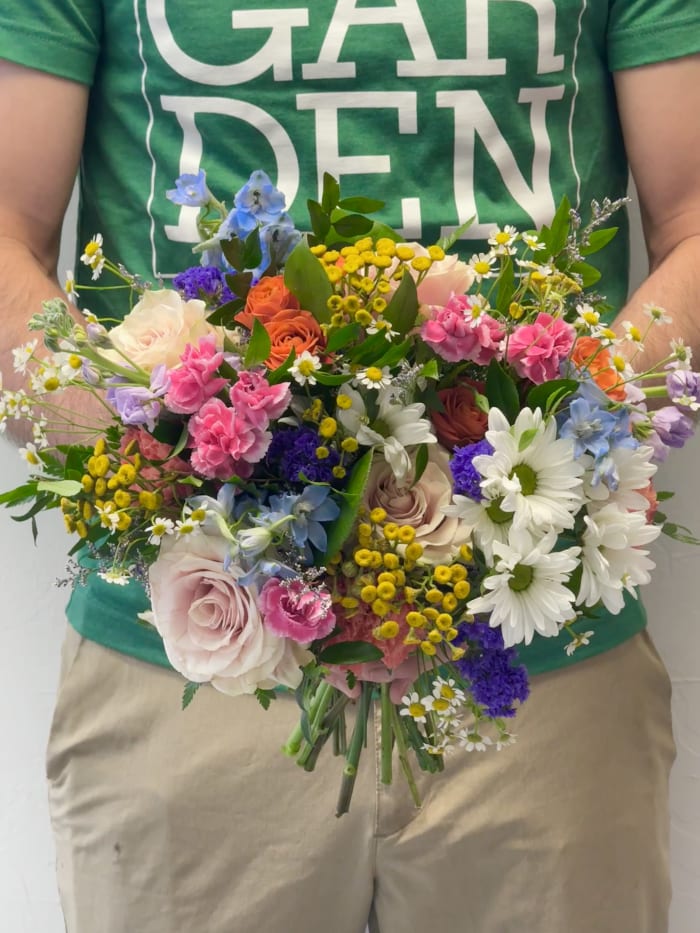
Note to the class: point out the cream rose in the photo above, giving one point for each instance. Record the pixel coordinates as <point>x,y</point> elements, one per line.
<point>421,505</point>
<point>450,276</point>
<point>211,626</point>
<point>158,328</point>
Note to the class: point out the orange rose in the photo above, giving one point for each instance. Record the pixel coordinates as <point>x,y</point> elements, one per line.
<point>461,422</point>
<point>292,330</point>
<point>266,300</point>
<point>590,354</point>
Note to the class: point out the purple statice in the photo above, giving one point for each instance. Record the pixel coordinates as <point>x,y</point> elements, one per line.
<point>497,680</point>
<point>292,455</point>
<point>204,282</point>
<point>467,478</point>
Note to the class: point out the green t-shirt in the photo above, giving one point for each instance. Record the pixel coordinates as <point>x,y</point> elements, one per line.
<point>492,109</point>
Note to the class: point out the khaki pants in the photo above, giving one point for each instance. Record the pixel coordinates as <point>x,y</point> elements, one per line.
<point>175,822</point>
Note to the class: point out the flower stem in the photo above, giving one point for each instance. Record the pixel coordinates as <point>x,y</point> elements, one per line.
<point>319,708</point>
<point>352,758</point>
<point>403,756</point>
<point>387,735</point>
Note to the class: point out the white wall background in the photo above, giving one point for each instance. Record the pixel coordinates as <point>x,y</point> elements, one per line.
<point>31,630</point>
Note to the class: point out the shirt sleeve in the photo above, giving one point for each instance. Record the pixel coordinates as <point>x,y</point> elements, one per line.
<point>61,37</point>
<point>643,32</point>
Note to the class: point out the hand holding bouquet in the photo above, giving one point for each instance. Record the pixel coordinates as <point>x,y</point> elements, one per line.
<point>358,468</point>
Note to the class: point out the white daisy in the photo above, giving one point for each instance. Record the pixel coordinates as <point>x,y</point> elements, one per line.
<point>481,265</point>
<point>160,527</point>
<point>374,377</point>
<point>531,472</point>
<point>486,521</point>
<point>619,478</point>
<point>613,557</point>
<point>527,591</point>
<point>502,240</point>
<point>304,367</point>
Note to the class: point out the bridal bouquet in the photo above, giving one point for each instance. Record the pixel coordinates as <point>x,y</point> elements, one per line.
<point>358,468</point>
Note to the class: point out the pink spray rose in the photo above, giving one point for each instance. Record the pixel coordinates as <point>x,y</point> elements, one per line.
<point>292,609</point>
<point>253,395</point>
<point>536,350</point>
<point>195,381</point>
<point>211,626</point>
<point>224,442</point>
<point>456,335</point>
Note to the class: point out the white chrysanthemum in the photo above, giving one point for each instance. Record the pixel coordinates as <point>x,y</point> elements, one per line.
<point>527,591</point>
<point>619,478</point>
<point>532,471</point>
<point>396,427</point>
<point>485,520</point>
<point>613,557</point>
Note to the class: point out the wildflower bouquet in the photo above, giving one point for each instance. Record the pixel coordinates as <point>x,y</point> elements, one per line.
<point>359,468</point>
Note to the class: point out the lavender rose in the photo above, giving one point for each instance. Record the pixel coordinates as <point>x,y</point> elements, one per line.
<point>211,626</point>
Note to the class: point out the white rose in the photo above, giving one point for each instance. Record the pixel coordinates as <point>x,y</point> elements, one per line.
<point>421,505</point>
<point>158,328</point>
<point>211,626</point>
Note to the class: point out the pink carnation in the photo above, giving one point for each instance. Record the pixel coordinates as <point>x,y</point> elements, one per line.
<point>194,382</point>
<point>225,442</point>
<point>455,335</point>
<point>292,609</point>
<point>536,350</point>
<point>254,396</point>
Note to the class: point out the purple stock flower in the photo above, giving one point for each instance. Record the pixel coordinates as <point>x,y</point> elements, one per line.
<point>673,427</point>
<point>467,478</point>
<point>683,387</point>
<point>138,404</point>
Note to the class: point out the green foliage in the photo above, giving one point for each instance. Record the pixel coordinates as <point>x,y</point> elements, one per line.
<point>548,395</point>
<point>306,278</point>
<point>350,652</point>
<point>259,346</point>
<point>402,310</point>
<point>597,240</point>
<point>188,693</point>
<point>350,506</point>
<point>265,697</point>
<point>501,391</point>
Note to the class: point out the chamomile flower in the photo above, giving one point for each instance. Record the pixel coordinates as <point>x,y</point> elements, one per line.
<point>472,741</point>
<point>159,528</point>
<point>22,355</point>
<point>578,641</point>
<point>374,377</point>
<point>30,454</point>
<point>633,334</point>
<point>117,576</point>
<point>304,367</point>
<point>587,318</point>
<point>657,314</point>
<point>69,287</point>
<point>414,707</point>
<point>481,265</point>
<point>531,241</point>
<point>93,257</point>
<point>502,240</point>
<point>682,355</point>
<point>527,591</point>
<point>504,740</point>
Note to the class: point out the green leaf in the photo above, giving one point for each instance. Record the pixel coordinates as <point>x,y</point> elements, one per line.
<point>506,286</point>
<point>663,495</point>
<point>60,487</point>
<point>19,494</point>
<point>320,221</point>
<point>395,353</point>
<point>350,505</point>
<point>233,251</point>
<point>43,501</point>
<point>369,351</point>
<point>352,225</point>
<point>501,391</point>
<point>447,242</point>
<point>589,274</point>
<point>540,396</point>
<point>598,239</point>
<point>265,697</point>
<point>331,193</point>
<point>526,438</point>
<point>306,278</point>
<point>259,346</point>
<point>182,441</point>
<point>239,283</point>
<point>331,379</point>
<point>252,253</point>
<point>421,463</point>
<point>559,230</point>
<point>402,310</point>
<point>342,337</point>
<point>225,313</point>
<point>430,370</point>
<point>275,376</point>
<point>188,693</point>
<point>350,652</point>
<point>361,205</point>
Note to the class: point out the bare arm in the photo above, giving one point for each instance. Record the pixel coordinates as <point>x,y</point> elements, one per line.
<point>660,112</point>
<point>43,120</point>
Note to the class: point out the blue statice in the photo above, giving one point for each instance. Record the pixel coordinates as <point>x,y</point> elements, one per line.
<point>204,282</point>
<point>498,681</point>
<point>292,456</point>
<point>308,511</point>
<point>190,190</point>
<point>466,477</point>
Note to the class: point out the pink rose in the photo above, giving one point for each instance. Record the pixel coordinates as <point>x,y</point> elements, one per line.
<point>420,505</point>
<point>455,335</point>
<point>192,383</point>
<point>254,396</point>
<point>536,350</point>
<point>211,626</point>
<point>224,442</point>
<point>292,609</point>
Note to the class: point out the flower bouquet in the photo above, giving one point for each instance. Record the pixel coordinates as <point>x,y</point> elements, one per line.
<point>359,469</point>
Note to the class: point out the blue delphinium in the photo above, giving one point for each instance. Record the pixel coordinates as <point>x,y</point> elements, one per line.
<point>589,427</point>
<point>259,198</point>
<point>497,680</point>
<point>308,512</point>
<point>190,190</point>
<point>467,478</point>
